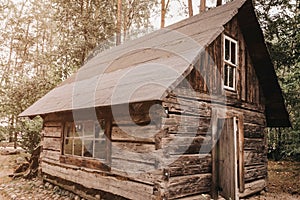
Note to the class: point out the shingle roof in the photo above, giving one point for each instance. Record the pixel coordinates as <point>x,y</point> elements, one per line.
<point>127,66</point>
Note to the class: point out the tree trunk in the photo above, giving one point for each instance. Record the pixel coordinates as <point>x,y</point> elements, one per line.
<point>163,14</point>
<point>202,5</point>
<point>119,25</point>
<point>164,7</point>
<point>190,5</point>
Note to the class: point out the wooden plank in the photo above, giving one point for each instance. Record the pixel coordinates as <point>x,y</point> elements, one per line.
<point>190,164</point>
<point>188,185</point>
<point>240,156</point>
<point>51,143</point>
<point>227,160</point>
<point>255,172</point>
<point>134,147</point>
<point>131,134</point>
<point>214,155</point>
<point>92,179</point>
<point>254,131</point>
<point>132,166</point>
<point>255,158</point>
<point>84,162</point>
<point>242,65</point>
<point>148,158</point>
<point>253,187</point>
<point>49,154</point>
<point>54,131</point>
<point>186,145</point>
<point>256,144</point>
<point>52,124</point>
<point>186,106</point>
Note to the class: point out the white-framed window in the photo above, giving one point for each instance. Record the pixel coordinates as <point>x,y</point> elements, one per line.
<point>86,139</point>
<point>230,62</point>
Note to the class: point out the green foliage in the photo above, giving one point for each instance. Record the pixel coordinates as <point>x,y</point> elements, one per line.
<point>30,133</point>
<point>44,42</point>
<point>280,20</point>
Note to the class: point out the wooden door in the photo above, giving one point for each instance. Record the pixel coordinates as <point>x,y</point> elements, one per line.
<point>227,160</point>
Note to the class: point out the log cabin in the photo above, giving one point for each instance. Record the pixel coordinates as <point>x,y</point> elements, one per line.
<point>176,114</point>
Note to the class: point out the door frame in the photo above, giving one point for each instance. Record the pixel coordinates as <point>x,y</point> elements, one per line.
<point>238,129</point>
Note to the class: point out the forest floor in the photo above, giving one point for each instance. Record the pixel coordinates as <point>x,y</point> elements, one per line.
<point>284,181</point>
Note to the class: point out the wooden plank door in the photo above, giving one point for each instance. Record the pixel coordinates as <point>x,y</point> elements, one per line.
<point>227,160</point>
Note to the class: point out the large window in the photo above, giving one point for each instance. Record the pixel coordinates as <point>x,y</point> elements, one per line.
<point>86,139</point>
<point>230,62</point>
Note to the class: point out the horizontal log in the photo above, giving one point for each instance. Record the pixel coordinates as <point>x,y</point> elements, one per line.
<point>253,187</point>
<point>52,131</point>
<point>51,143</point>
<point>149,158</point>
<point>134,147</point>
<point>95,180</point>
<point>254,131</point>
<point>186,106</point>
<point>186,145</point>
<point>186,93</point>
<point>255,172</point>
<point>255,158</point>
<point>188,185</point>
<point>187,125</point>
<point>132,166</point>
<point>53,124</point>
<point>134,133</point>
<point>252,117</point>
<point>189,165</point>
<point>49,154</point>
<point>257,145</point>
<point>84,162</point>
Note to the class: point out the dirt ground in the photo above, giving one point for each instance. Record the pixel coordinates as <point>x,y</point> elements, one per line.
<point>284,178</point>
<point>283,181</point>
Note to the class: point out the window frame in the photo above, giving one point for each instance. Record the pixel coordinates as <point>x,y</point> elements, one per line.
<point>229,63</point>
<point>106,129</point>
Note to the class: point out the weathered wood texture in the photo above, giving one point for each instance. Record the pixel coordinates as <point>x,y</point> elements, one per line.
<point>179,142</point>
<point>189,185</point>
<point>188,135</point>
<point>206,78</point>
<point>253,187</point>
<point>100,181</point>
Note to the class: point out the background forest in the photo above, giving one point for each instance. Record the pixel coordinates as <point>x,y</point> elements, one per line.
<point>43,42</point>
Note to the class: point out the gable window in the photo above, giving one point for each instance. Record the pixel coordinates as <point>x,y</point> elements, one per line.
<point>86,139</point>
<point>230,62</point>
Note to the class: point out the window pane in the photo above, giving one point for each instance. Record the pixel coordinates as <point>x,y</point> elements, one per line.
<point>69,130</point>
<point>78,147</point>
<point>89,129</point>
<point>231,76</point>
<point>78,130</point>
<point>99,129</point>
<point>100,151</point>
<point>68,146</point>
<point>88,148</point>
<point>233,53</point>
<point>227,49</point>
<point>226,75</point>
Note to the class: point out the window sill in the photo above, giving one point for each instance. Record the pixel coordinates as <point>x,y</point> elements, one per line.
<point>229,89</point>
<point>84,162</point>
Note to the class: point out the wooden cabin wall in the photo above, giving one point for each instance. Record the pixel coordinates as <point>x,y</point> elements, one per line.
<point>188,122</point>
<point>206,78</point>
<point>89,173</point>
<point>203,89</point>
<point>251,96</point>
